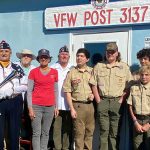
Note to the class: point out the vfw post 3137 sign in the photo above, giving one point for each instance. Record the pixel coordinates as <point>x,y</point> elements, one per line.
<point>117,13</point>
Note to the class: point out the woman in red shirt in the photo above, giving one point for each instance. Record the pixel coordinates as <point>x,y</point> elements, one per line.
<point>41,99</point>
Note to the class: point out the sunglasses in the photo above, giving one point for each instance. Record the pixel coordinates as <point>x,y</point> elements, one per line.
<point>44,56</point>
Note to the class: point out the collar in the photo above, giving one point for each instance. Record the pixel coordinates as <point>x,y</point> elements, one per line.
<point>87,69</point>
<point>146,86</point>
<point>8,65</point>
<point>116,64</point>
<point>58,66</point>
<point>4,64</point>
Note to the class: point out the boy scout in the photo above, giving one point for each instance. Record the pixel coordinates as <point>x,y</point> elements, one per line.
<point>79,97</point>
<point>144,58</point>
<point>109,80</point>
<point>139,107</point>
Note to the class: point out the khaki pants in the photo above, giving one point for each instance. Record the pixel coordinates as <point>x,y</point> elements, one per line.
<point>109,122</point>
<point>83,126</point>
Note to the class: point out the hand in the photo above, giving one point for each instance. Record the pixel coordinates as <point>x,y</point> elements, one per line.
<point>121,99</point>
<point>146,127</point>
<point>138,127</point>
<point>91,97</point>
<point>73,113</point>
<point>56,112</point>
<point>31,113</point>
<point>98,101</point>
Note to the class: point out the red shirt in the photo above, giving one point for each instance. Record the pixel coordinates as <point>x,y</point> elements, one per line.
<point>43,93</point>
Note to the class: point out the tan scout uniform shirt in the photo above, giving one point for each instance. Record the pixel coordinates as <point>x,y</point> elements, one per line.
<point>77,83</point>
<point>111,81</point>
<point>140,99</point>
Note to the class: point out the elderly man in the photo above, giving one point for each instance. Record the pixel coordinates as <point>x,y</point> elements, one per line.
<point>10,97</point>
<point>26,56</point>
<point>62,123</point>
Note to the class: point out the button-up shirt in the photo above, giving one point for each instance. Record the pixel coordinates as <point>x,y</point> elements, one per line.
<point>18,82</point>
<point>62,72</point>
<point>77,83</point>
<point>111,80</point>
<point>140,98</point>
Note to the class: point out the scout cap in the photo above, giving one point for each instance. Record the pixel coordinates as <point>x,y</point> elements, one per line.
<point>111,46</point>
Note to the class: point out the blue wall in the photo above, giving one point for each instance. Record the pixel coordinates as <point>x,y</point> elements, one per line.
<point>138,37</point>
<point>21,25</point>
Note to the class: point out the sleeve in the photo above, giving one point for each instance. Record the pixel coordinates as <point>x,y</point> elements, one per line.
<point>129,79</point>
<point>56,76</point>
<point>56,94</point>
<point>129,100</point>
<point>93,79</point>
<point>29,92</point>
<point>31,75</point>
<point>67,83</point>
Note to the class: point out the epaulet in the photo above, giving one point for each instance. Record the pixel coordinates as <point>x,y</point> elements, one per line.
<point>18,69</point>
<point>72,67</point>
<point>90,67</point>
<point>134,83</point>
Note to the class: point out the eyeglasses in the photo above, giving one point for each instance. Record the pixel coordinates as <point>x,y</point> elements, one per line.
<point>27,55</point>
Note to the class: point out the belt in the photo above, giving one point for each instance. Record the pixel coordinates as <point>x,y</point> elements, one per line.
<point>143,117</point>
<point>83,102</point>
<point>110,97</point>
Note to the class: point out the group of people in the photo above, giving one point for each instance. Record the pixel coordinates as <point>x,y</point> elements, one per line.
<point>65,93</point>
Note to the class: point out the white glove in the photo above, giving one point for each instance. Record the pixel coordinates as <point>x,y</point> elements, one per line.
<point>19,88</point>
<point>7,90</point>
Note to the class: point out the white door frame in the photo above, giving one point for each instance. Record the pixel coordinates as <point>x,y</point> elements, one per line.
<point>96,31</point>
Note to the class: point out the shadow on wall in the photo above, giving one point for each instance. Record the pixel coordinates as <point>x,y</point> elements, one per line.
<point>134,68</point>
<point>97,57</point>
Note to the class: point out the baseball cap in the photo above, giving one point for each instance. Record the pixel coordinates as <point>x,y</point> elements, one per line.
<point>43,52</point>
<point>111,46</point>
